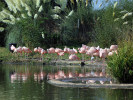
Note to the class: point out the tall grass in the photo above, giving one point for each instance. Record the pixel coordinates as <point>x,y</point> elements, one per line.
<point>109,26</point>
<point>121,65</point>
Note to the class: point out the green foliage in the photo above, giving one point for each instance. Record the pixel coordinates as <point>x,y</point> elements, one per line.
<point>121,65</point>
<point>14,35</point>
<point>1,5</point>
<point>31,34</point>
<point>106,32</point>
<point>28,31</point>
<point>109,26</point>
<point>77,28</point>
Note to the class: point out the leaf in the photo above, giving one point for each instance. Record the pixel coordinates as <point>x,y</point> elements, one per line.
<point>1,29</point>
<point>115,4</point>
<point>113,14</point>
<point>100,5</point>
<point>72,1</point>
<point>87,1</point>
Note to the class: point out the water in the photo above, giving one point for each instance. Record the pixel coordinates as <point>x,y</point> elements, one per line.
<point>19,82</point>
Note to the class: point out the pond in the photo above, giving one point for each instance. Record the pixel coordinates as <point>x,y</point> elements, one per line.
<point>26,82</point>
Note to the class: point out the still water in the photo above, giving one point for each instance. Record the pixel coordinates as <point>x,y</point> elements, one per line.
<point>24,82</point>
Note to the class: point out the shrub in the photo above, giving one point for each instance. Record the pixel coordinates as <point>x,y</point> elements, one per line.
<point>121,65</point>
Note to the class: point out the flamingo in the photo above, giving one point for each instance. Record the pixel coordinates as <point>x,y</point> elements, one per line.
<point>13,47</point>
<point>110,53</point>
<point>18,50</point>
<point>42,53</point>
<point>113,47</point>
<point>103,54</point>
<point>60,54</point>
<point>82,50</point>
<point>39,49</point>
<point>58,50</point>
<point>73,57</point>
<point>35,50</point>
<point>26,50</point>
<point>92,51</point>
<point>51,51</point>
<point>66,50</point>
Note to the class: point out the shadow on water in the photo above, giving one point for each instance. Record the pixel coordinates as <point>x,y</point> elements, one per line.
<point>19,82</point>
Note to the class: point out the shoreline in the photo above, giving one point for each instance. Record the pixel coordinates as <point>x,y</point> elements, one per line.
<point>57,62</point>
<point>60,83</point>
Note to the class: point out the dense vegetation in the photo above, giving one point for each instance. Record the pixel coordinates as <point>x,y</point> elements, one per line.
<point>120,65</point>
<point>53,22</point>
<point>47,23</point>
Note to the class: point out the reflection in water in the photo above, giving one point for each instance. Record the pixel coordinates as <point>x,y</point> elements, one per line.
<point>58,74</point>
<point>30,83</point>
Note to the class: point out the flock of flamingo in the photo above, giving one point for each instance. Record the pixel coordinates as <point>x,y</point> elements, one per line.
<point>84,50</point>
<point>72,55</point>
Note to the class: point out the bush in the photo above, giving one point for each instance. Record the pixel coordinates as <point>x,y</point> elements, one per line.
<point>121,65</point>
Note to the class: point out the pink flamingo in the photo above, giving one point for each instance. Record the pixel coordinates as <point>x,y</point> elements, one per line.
<point>82,50</point>
<point>60,54</point>
<point>58,50</point>
<point>75,50</point>
<point>51,50</point>
<point>103,54</point>
<point>66,50</point>
<point>113,47</point>
<point>35,50</point>
<point>71,51</point>
<point>25,50</point>
<point>13,47</point>
<point>73,57</point>
<point>39,49</point>
<point>42,53</point>
<point>18,51</point>
<point>92,51</point>
<point>111,53</point>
